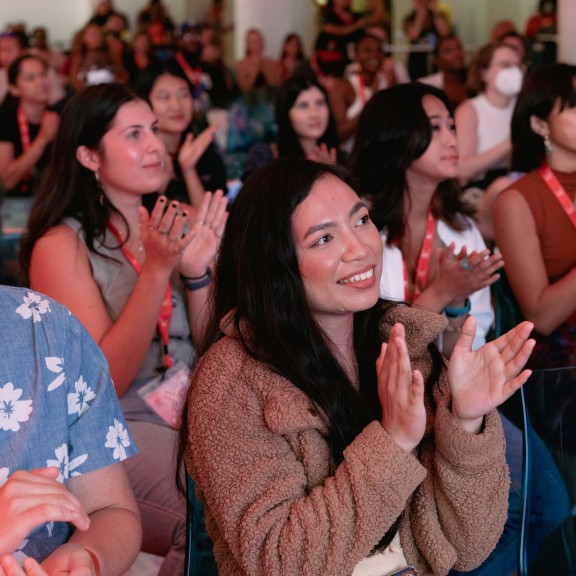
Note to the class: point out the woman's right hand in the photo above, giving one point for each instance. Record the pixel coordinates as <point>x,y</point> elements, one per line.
<point>401,392</point>
<point>163,234</point>
<point>460,275</point>
<point>30,499</point>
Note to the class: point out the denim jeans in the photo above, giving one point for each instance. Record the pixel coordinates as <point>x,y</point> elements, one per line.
<point>549,505</point>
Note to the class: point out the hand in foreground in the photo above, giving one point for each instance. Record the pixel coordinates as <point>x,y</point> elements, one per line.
<point>30,499</point>
<point>483,379</point>
<point>401,392</point>
<point>205,235</point>
<point>70,559</point>
<point>163,234</point>
<point>9,567</point>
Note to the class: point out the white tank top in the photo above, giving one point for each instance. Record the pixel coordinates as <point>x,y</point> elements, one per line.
<point>493,123</point>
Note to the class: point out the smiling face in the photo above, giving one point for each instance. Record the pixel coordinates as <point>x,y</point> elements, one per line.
<point>129,161</point>
<point>369,54</point>
<point>440,160</point>
<point>339,251</point>
<point>171,101</point>
<point>309,114</point>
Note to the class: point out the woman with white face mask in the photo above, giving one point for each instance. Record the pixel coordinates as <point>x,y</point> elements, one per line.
<point>483,122</point>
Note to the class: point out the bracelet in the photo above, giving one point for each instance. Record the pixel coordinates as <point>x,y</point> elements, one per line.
<point>193,284</point>
<point>453,312</point>
<point>95,561</point>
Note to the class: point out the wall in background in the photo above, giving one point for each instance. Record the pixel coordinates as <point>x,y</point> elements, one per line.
<point>473,18</point>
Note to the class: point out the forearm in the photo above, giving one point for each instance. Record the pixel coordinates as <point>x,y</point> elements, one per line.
<point>198,312</point>
<point>114,538</point>
<point>470,166</point>
<point>128,340</point>
<point>16,170</point>
<point>194,187</point>
<point>553,306</point>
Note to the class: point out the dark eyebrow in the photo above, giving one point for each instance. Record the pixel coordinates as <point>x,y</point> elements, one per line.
<point>324,225</point>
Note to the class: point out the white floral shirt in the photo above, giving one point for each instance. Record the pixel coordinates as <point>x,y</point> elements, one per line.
<point>58,406</point>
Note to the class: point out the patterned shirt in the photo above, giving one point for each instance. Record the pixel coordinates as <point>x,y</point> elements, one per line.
<point>58,406</point>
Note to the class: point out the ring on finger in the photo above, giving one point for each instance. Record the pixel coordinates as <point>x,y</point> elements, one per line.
<point>465,264</point>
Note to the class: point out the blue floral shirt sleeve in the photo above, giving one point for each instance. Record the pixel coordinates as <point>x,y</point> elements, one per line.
<point>58,406</point>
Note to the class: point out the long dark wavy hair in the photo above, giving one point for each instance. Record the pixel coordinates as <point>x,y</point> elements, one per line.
<point>541,90</point>
<point>288,140</point>
<point>257,276</point>
<point>393,131</point>
<point>68,189</point>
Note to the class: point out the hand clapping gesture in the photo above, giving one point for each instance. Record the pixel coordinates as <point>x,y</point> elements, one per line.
<point>483,379</point>
<point>479,381</point>
<point>401,392</point>
<point>463,274</point>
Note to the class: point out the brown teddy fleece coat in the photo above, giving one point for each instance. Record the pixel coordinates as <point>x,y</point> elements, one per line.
<point>276,504</point>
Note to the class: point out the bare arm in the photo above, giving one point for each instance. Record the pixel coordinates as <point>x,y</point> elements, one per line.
<point>341,98</point>
<point>546,305</point>
<point>471,163</point>
<point>114,536</point>
<point>12,169</point>
<point>485,206</point>
<point>60,268</point>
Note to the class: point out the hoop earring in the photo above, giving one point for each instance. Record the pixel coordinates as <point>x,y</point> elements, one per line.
<point>547,144</point>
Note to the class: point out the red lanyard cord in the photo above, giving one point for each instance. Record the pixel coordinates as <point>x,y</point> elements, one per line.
<point>423,265</point>
<point>165,309</point>
<point>558,190</point>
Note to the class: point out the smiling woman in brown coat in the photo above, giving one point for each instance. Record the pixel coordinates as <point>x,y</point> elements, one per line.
<point>323,430</point>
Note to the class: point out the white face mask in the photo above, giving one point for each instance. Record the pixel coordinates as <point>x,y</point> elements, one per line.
<point>509,81</point>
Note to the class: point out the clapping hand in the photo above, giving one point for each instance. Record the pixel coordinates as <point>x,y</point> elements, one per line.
<point>483,379</point>
<point>401,392</point>
<point>205,235</point>
<point>463,274</point>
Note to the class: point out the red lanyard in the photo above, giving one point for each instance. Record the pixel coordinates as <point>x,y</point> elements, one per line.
<point>165,309</point>
<point>558,190</point>
<point>423,265</point>
<point>362,89</point>
<point>193,74</point>
<point>25,140</point>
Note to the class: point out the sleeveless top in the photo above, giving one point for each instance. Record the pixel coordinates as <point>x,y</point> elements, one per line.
<point>557,238</point>
<point>493,123</point>
<point>116,279</point>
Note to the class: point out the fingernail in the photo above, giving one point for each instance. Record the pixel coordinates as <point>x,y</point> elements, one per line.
<point>174,204</point>
<point>184,213</point>
<point>162,199</point>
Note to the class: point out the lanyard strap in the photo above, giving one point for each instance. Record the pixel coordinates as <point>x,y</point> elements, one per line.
<point>165,309</point>
<point>423,265</point>
<point>558,190</point>
<point>194,75</point>
<point>25,140</point>
<point>362,90</point>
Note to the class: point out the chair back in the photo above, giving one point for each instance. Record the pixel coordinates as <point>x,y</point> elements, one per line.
<point>549,418</point>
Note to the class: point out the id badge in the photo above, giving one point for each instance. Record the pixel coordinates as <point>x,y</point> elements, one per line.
<point>165,393</point>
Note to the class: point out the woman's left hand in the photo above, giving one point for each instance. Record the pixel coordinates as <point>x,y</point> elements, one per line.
<point>205,235</point>
<point>483,379</point>
<point>9,567</point>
